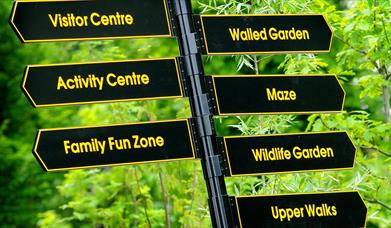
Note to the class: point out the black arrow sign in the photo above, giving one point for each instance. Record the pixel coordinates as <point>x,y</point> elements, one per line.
<point>277,94</point>
<point>286,153</point>
<point>339,209</point>
<point>90,147</point>
<point>85,83</point>
<point>257,34</point>
<point>39,21</point>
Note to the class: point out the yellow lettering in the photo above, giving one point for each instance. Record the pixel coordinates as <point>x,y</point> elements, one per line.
<point>273,34</point>
<point>127,80</point>
<point>111,143</point>
<point>160,141</point>
<point>317,152</point>
<point>291,34</point>
<point>92,18</point>
<point>61,83</point>
<point>111,83</point>
<point>306,35</point>
<point>105,20</point>
<point>111,20</point>
<point>234,34</point>
<point>53,20</point>
<point>280,95</point>
<point>128,19</point>
<point>287,213</point>
<point>147,142</point>
<point>257,154</point>
<point>66,147</point>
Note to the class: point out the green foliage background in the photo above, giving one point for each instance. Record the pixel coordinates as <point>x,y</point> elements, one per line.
<point>174,194</point>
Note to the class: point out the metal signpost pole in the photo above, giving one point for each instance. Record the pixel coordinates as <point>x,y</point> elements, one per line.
<point>194,74</point>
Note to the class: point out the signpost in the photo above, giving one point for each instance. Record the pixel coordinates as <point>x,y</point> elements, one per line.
<point>260,34</point>
<point>287,153</point>
<point>123,144</point>
<point>135,143</point>
<point>86,83</point>
<point>64,20</point>
<point>338,209</point>
<point>277,94</point>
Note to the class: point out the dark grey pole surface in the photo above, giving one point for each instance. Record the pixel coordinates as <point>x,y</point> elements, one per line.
<point>194,74</point>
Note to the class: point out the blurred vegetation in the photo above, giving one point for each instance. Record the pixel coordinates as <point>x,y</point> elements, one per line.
<point>145,195</point>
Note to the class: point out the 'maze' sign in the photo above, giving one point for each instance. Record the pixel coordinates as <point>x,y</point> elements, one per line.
<point>276,94</point>
<point>38,21</point>
<point>256,34</point>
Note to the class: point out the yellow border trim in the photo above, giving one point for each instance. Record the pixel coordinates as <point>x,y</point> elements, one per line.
<point>276,75</point>
<point>286,172</point>
<point>264,52</point>
<point>26,74</point>
<point>83,39</point>
<point>298,194</point>
<point>35,150</point>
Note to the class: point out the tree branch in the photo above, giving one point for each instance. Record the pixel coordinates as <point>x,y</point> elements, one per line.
<point>385,31</point>
<point>375,201</point>
<point>324,123</point>
<point>370,172</point>
<point>256,67</point>
<point>134,199</point>
<point>194,187</point>
<point>144,198</point>
<point>382,70</point>
<point>126,194</point>
<point>386,98</point>
<point>351,46</point>
<point>166,200</point>
<point>377,150</point>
